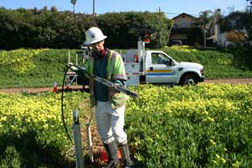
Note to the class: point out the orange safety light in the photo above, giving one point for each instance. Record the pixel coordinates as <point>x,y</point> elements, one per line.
<point>135,58</point>
<point>146,40</point>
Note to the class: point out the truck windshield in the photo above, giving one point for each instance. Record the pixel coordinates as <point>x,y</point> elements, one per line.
<point>159,58</point>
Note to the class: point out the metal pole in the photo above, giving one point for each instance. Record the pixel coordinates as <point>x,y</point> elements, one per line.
<point>77,141</point>
<point>69,57</point>
<point>90,144</point>
<point>93,7</point>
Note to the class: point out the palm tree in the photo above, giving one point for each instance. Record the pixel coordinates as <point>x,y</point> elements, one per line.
<point>205,18</point>
<point>249,6</point>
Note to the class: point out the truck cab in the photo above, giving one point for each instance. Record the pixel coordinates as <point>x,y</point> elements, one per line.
<point>156,67</point>
<point>161,68</point>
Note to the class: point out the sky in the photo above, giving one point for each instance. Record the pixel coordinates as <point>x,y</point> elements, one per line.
<point>172,8</point>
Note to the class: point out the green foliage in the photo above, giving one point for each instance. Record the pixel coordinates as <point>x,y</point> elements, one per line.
<point>34,28</point>
<point>243,58</point>
<point>195,35</point>
<point>206,125</point>
<point>31,125</point>
<point>43,67</point>
<point>217,63</point>
<point>18,61</point>
<point>32,68</point>
<point>125,28</point>
<point>244,20</point>
<point>11,158</point>
<point>203,126</point>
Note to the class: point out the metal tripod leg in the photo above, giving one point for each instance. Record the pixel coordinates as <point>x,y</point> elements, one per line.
<point>77,141</point>
<point>90,144</point>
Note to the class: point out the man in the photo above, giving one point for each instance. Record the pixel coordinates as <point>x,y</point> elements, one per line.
<point>109,104</point>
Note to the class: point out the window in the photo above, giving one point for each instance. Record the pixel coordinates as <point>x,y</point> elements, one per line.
<point>159,58</point>
<point>184,24</point>
<point>232,23</point>
<point>175,26</point>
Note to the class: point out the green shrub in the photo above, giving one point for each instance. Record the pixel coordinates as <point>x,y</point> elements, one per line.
<point>33,28</point>
<point>33,68</point>
<point>217,63</point>
<point>43,67</point>
<point>11,158</point>
<point>32,125</point>
<point>202,126</point>
<point>206,125</point>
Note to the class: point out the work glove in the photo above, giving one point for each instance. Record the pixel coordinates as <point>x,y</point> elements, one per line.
<point>71,66</point>
<point>112,90</point>
<point>79,71</point>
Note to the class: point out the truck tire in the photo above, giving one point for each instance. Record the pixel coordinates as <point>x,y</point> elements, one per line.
<point>189,79</point>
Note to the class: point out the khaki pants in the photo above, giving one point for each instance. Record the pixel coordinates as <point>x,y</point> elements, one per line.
<point>110,123</point>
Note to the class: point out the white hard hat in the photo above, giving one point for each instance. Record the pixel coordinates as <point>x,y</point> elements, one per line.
<point>94,35</point>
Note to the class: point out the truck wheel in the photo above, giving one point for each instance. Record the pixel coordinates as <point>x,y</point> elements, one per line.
<point>189,79</point>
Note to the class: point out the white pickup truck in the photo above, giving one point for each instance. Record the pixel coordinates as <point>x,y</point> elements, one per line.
<point>156,67</point>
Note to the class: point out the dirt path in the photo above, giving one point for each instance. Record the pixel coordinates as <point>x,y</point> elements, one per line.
<point>231,81</point>
<point>34,90</point>
<point>37,90</point>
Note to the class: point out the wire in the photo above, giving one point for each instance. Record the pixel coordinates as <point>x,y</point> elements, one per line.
<point>62,104</point>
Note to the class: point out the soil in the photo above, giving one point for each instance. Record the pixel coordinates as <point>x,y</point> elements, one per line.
<point>36,90</point>
<point>231,81</point>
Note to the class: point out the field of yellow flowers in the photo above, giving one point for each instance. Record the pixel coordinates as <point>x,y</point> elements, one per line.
<point>207,125</point>
<point>31,128</point>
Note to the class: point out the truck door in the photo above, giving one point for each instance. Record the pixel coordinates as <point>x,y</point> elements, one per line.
<point>160,69</point>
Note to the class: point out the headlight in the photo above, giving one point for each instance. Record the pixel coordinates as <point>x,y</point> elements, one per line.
<point>202,71</point>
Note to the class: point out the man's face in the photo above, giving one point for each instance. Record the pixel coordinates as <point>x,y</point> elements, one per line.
<point>97,46</point>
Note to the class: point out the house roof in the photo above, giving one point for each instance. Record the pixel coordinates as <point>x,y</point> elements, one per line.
<point>184,14</point>
<point>234,15</point>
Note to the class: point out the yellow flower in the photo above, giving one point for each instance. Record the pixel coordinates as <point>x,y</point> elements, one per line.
<point>45,126</point>
<point>223,160</point>
<point>235,165</point>
<point>212,142</point>
<point>210,119</point>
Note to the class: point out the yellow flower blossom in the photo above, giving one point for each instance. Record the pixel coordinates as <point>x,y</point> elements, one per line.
<point>212,142</point>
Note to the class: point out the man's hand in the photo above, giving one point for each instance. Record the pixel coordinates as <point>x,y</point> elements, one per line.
<point>71,66</point>
<point>113,91</point>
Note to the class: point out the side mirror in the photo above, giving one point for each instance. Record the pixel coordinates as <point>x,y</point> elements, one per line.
<point>170,63</point>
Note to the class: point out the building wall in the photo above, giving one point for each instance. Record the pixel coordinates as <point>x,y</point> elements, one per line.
<point>184,20</point>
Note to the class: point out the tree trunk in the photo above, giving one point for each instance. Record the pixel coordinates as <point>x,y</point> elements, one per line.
<point>204,36</point>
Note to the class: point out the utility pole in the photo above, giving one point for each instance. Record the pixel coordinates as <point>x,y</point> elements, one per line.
<point>94,13</point>
<point>73,2</point>
<point>249,6</point>
<point>159,11</point>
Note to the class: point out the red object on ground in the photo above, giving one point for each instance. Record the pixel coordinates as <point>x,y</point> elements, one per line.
<point>67,87</point>
<point>104,156</point>
<point>55,87</point>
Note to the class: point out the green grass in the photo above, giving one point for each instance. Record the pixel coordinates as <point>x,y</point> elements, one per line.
<point>217,63</point>
<point>46,67</point>
<point>43,67</point>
